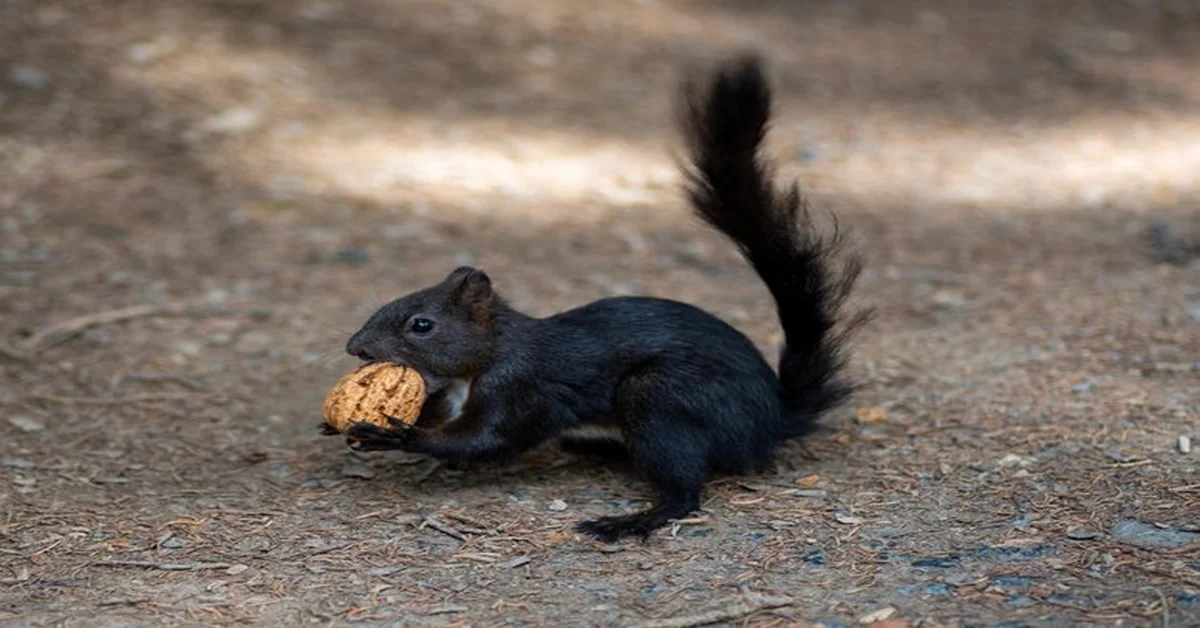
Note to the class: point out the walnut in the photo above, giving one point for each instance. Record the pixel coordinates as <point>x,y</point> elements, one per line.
<point>373,392</point>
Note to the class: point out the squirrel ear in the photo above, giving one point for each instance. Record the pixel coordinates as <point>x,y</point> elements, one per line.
<point>459,273</point>
<point>474,289</point>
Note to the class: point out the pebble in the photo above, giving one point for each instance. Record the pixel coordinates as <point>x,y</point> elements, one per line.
<point>878,615</point>
<point>253,342</point>
<point>1082,534</point>
<point>146,52</point>
<point>385,571</point>
<point>356,469</point>
<point>1184,444</point>
<point>172,543</point>
<point>16,463</point>
<point>557,505</point>
<point>235,121</point>
<point>188,347</point>
<point>1149,536</point>
<point>28,77</point>
<point>516,562</point>
<point>353,257</point>
<point>26,423</point>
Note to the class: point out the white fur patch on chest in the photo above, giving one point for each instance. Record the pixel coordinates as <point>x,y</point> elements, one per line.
<point>456,397</point>
<point>595,432</point>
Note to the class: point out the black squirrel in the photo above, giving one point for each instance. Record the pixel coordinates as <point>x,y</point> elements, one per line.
<point>679,392</point>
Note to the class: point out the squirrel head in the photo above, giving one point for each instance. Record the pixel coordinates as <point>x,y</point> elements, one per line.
<point>444,332</point>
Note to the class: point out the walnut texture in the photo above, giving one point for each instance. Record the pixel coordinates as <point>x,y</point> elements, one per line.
<point>372,393</point>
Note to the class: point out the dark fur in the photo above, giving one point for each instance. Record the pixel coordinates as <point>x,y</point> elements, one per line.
<point>691,395</point>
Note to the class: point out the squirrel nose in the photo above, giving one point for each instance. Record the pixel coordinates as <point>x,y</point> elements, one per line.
<point>359,348</point>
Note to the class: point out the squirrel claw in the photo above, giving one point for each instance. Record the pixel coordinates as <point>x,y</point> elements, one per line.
<point>326,429</point>
<point>371,437</point>
<point>395,423</point>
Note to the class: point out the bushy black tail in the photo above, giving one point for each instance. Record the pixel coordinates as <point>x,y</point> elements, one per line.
<point>729,185</point>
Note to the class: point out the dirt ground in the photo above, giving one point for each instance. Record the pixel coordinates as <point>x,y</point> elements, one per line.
<point>201,199</point>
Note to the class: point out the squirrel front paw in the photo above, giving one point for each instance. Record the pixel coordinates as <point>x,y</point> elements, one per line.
<point>371,437</point>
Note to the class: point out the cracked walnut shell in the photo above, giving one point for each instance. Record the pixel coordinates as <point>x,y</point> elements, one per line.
<point>371,393</point>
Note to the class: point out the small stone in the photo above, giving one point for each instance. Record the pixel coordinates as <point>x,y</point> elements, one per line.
<point>28,77</point>
<point>1015,460</point>
<point>236,569</point>
<point>172,543</point>
<point>949,300</point>
<point>385,571</point>
<point>878,615</point>
<point>1184,444</point>
<point>21,480</point>
<point>16,463</point>
<point>1149,536</point>
<point>146,52</point>
<point>516,562</point>
<point>1082,534</point>
<point>253,342</point>
<point>848,519</point>
<point>543,57</point>
<point>26,423</point>
<point>235,121</point>
<point>1085,386</point>
<point>557,505</point>
<point>358,470</point>
<point>188,347</point>
<point>353,257</point>
<point>322,483</point>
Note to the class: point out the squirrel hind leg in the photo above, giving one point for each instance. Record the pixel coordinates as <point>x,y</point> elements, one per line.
<point>671,505</point>
<point>678,481</point>
<point>666,447</point>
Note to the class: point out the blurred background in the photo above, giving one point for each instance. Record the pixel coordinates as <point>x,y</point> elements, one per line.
<point>201,199</point>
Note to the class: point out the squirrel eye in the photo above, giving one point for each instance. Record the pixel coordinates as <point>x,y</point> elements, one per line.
<point>421,325</point>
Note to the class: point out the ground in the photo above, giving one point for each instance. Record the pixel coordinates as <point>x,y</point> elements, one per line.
<point>201,199</point>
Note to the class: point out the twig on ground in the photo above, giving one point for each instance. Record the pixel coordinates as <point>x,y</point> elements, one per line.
<point>145,564</point>
<point>12,353</point>
<point>110,401</point>
<point>443,528</point>
<point>1165,615</point>
<point>479,527</point>
<point>739,608</point>
<point>57,333</point>
<point>170,378</point>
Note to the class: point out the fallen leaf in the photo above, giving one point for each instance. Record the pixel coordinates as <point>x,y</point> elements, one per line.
<point>561,537</point>
<point>871,416</point>
<point>808,481</point>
